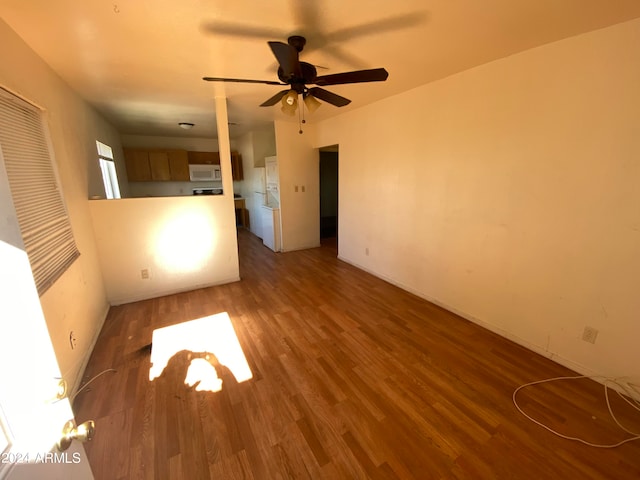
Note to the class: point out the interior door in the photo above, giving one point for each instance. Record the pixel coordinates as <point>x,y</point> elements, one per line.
<point>31,417</point>
<point>329,192</point>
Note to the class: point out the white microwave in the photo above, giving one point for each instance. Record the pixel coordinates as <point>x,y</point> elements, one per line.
<point>204,172</point>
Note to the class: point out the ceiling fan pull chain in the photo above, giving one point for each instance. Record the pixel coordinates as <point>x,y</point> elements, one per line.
<point>301,113</point>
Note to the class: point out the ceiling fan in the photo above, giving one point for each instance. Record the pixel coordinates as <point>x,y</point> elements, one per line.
<point>298,75</point>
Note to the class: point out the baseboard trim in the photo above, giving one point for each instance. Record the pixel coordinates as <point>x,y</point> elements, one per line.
<point>164,293</point>
<point>305,247</point>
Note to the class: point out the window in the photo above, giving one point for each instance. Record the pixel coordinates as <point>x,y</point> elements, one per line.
<point>108,167</point>
<point>40,209</point>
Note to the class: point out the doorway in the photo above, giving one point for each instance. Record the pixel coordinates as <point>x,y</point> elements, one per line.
<point>329,195</point>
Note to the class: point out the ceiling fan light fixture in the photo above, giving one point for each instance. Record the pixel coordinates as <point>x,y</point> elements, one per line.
<point>288,110</point>
<point>186,125</point>
<point>290,99</point>
<point>290,103</point>
<point>311,103</point>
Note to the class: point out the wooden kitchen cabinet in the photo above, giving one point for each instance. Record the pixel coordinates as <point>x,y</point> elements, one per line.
<point>137,163</point>
<point>179,165</point>
<point>155,165</point>
<point>159,166</point>
<point>236,166</point>
<point>204,158</point>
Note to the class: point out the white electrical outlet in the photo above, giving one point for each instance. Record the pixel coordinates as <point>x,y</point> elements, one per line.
<point>144,274</point>
<point>589,334</point>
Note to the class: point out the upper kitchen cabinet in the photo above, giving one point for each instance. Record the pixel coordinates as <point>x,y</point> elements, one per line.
<point>137,163</point>
<point>204,158</point>
<point>159,166</point>
<point>179,165</point>
<point>171,165</point>
<point>156,165</point>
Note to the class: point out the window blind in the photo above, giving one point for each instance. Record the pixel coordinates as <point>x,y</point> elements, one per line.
<point>40,209</point>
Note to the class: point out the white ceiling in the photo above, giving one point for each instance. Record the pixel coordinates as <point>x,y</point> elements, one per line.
<point>141,62</point>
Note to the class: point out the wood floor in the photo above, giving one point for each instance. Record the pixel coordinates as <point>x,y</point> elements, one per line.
<point>352,378</point>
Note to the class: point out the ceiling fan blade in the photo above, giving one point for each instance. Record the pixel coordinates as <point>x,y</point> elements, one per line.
<point>329,97</point>
<point>275,99</point>
<point>359,76</point>
<point>240,80</point>
<point>287,57</point>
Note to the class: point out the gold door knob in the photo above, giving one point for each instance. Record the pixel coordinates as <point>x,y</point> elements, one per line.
<point>83,433</point>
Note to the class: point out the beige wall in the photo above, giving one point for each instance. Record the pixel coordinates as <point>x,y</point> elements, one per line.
<point>77,301</point>
<point>264,144</point>
<point>184,243</point>
<point>194,144</point>
<point>244,146</point>
<point>509,193</point>
<point>298,165</point>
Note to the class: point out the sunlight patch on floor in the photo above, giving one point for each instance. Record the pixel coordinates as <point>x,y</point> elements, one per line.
<point>207,342</point>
